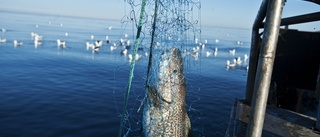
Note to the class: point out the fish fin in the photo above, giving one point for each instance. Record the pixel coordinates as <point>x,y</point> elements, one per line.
<point>188,130</point>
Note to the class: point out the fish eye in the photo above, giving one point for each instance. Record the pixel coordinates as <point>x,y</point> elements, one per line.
<point>174,71</point>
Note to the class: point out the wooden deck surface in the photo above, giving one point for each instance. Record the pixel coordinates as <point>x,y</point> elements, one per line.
<point>278,123</point>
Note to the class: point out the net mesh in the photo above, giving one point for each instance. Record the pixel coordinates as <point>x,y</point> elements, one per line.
<point>166,24</point>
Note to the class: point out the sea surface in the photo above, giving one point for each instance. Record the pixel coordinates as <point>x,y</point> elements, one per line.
<point>50,91</point>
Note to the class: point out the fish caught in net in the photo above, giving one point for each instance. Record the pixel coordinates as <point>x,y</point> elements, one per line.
<point>164,27</point>
<point>164,112</point>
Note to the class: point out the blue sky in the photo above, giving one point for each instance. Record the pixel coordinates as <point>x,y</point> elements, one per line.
<point>218,13</point>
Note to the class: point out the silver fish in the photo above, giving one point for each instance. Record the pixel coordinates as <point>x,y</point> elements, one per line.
<point>164,112</point>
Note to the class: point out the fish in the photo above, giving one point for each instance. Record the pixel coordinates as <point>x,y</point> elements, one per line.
<point>164,107</point>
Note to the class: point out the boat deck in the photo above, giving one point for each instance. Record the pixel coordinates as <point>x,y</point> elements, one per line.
<point>278,122</point>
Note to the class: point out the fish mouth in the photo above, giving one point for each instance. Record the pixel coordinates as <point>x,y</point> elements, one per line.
<point>157,97</point>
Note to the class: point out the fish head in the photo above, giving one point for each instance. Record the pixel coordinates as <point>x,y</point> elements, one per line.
<point>171,82</point>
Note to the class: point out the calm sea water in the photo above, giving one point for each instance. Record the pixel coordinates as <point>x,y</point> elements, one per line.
<point>49,91</point>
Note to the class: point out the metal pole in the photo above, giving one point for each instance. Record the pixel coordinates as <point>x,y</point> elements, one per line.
<point>264,68</point>
<point>255,48</point>
<point>299,19</point>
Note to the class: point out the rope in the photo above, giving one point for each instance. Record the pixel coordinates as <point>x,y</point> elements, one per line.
<point>132,66</point>
<point>152,40</point>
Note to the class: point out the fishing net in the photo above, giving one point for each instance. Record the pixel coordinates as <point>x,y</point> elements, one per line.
<point>159,25</point>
